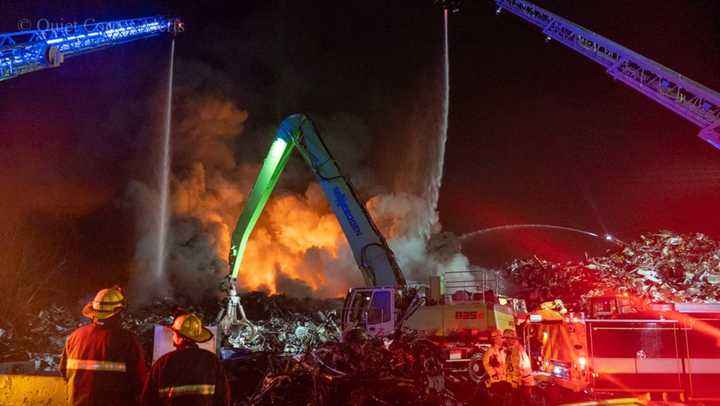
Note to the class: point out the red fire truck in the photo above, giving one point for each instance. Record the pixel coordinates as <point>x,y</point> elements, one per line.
<point>619,347</point>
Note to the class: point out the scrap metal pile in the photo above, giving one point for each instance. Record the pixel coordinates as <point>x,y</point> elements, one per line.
<point>662,266</point>
<point>42,336</point>
<point>359,371</point>
<point>286,325</point>
<point>41,339</point>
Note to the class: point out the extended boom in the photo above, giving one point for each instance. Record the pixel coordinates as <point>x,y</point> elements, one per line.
<point>693,101</point>
<point>31,50</point>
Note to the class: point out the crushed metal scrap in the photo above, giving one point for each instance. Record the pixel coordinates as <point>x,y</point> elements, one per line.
<point>287,325</point>
<point>359,371</point>
<point>659,267</point>
<point>290,335</point>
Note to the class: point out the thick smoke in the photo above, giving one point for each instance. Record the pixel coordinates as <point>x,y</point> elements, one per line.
<point>297,246</point>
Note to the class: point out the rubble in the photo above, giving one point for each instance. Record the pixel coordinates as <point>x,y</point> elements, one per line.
<point>292,334</point>
<point>286,325</point>
<point>360,370</point>
<point>659,267</point>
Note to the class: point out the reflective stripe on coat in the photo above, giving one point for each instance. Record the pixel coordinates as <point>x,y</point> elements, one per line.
<point>187,376</point>
<point>103,364</point>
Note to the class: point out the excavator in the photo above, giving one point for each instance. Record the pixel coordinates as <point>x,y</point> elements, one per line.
<point>458,323</point>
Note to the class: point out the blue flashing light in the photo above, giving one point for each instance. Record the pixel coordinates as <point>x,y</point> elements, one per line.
<point>28,51</point>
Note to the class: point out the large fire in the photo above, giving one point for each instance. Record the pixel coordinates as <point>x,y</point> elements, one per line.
<point>292,227</point>
<point>297,246</point>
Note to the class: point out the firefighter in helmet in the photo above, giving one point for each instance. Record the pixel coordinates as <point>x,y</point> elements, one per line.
<point>189,375</point>
<point>103,363</point>
<point>494,361</point>
<point>519,368</point>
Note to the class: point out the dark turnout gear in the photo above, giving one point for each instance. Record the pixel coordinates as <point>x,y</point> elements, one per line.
<point>103,364</point>
<point>187,376</point>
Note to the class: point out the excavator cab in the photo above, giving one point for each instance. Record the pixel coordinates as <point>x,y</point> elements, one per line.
<point>371,309</point>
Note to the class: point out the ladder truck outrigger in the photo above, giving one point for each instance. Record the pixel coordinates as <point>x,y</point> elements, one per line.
<point>620,345</point>
<point>458,325</point>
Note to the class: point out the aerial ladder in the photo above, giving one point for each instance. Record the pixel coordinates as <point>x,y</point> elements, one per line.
<point>691,100</point>
<point>28,51</point>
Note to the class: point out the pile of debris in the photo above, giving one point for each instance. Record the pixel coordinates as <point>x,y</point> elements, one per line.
<point>41,339</point>
<point>289,335</point>
<point>285,325</point>
<point>360,370</point>
<point>658,267</point>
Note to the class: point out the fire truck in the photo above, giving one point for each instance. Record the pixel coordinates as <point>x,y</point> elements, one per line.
<point>619,346</point>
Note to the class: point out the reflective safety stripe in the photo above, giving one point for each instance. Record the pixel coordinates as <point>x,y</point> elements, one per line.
<point>703,365</point>
<point>92,365</point>
<point>172,391</point>
<point>637,365</point>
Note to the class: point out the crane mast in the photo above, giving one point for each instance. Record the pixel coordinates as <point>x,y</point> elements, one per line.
<point>691,100</point>
<point>28,51</point>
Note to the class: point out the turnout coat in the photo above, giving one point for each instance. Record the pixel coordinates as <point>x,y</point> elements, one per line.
<point>103,364</point>
<point>187,376</point>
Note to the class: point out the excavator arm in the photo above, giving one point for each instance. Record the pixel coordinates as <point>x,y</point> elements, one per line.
<point>370,249</point>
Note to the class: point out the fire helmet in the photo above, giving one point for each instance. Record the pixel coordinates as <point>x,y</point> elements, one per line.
<point>190,326</point>
<point>107,303</point>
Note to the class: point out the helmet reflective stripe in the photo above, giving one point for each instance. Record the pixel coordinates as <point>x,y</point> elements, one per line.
<point>106,306</point>
<point>172,391</point>
<point>96,365</point>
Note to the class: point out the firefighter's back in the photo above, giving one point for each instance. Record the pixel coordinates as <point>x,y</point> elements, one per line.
<point>100,363</point>
<point>187,376</point>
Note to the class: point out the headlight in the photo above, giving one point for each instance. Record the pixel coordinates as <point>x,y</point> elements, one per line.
<point>560,369</point>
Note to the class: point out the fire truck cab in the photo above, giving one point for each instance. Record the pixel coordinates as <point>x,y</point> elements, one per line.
<point>621,347</point>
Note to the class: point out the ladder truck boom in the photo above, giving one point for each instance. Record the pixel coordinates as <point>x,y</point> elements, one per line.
<point>28,51</point>
<point>691,100</point>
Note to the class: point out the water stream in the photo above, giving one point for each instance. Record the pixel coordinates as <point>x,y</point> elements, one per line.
<point>164,186</point>
<point>546,227</point>
<point>432,191</point>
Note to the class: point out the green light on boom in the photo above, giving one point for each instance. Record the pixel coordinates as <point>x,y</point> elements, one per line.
<point>273,166</point>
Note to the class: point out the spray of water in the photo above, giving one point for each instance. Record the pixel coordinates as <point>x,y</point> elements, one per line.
<point>163,214</point>
<point>432,193</point>
<point>607,237</point>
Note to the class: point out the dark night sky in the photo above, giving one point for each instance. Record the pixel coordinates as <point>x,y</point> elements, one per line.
<point>537,133</point>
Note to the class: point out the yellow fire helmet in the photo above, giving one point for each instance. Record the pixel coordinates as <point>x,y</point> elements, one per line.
<point>191,327</point>
<point>107,303</point>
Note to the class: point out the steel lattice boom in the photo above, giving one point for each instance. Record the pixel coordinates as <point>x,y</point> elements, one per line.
<point>695,102</point>
<point>28,51</point>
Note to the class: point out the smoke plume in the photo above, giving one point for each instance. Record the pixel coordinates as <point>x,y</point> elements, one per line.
<point>222,129</point>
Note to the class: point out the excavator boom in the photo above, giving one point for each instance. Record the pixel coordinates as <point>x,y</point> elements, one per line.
<point>370,249</point>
